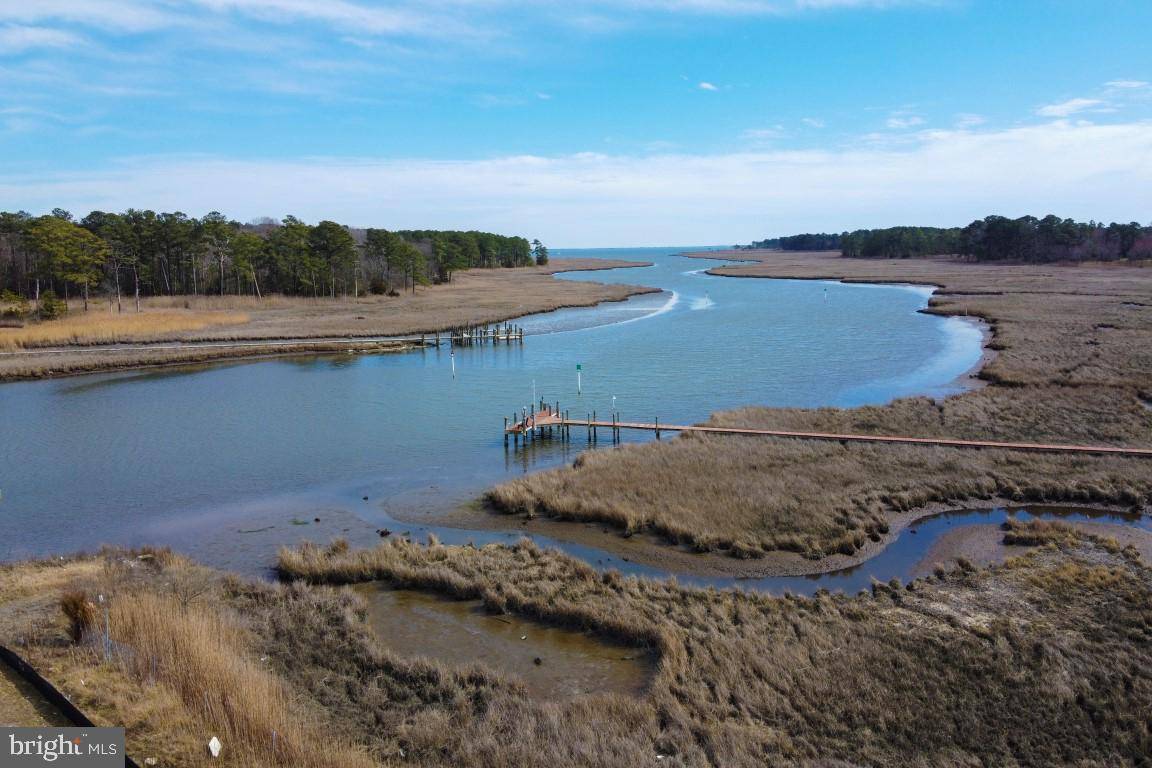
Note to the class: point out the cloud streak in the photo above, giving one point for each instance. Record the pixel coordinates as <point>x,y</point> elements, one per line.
<point>15,38</point>
<point>1070,107</point>
<point>947,177</point>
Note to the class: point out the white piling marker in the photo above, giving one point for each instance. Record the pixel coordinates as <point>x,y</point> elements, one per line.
<point>452,357</point>
<point>579,387</point>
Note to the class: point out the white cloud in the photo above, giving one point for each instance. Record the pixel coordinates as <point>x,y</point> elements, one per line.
<point>544,96</point>
<point>968,120</point>
<point>1128,84</point>
<point>902,122</point>
<point>755,7</point>
<point>813,122</point>
<point>361,19</point>
<point>395,17</point>
<point>117,15</point>
<point>15,38</point>
<point>1070,107</point>
<point>706,86</point>
<point>945,177</point>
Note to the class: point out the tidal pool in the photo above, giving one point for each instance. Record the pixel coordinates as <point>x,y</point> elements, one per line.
<point>554,664</point>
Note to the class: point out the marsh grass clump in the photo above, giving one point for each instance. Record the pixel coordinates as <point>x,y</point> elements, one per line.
<point>1036,533</point>
<point>80,612</point>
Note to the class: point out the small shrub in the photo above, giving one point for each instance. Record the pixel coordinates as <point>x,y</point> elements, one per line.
<point>51,307</point>
<point>14,306</point>
<point>80,611</point>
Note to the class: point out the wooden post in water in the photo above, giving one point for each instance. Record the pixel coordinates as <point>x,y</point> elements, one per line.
<point>657,427</point>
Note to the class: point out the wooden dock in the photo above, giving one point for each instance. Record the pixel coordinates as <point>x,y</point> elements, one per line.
<point>549,421</point>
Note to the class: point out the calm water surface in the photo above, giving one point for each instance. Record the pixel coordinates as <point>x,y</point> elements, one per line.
<point>143,457</point>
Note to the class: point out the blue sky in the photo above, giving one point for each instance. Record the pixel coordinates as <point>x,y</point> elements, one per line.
<point>584,123</point>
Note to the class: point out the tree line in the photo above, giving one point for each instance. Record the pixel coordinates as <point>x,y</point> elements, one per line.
<point>1029,239</point>
<point>899,242</point>
<point>822,241</point>
<point>994,238</point>
<point>144,253</point>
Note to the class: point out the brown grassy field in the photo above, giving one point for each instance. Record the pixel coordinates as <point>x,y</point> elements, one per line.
<point>1039,662</point>
<point>1073,364</point>
<point>77,362</point>
<point>87,328</point>
<point>474,297</point>
<point>1042,661</point>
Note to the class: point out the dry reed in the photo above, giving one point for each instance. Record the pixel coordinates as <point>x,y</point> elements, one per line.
<point>202,654</point>
<point>1040,662</point>
<point>96,327</point>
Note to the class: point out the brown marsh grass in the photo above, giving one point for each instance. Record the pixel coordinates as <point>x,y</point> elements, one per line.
<point>1073,364</point>
<point>1042,661</point>
<point>67,363</point>
<point>161,655</point>
<point>750,496</point>
<point>96,327</point>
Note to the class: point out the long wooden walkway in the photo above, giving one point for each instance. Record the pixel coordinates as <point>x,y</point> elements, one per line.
<point>548,418</point>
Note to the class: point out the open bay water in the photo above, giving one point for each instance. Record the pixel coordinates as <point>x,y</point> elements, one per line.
<point>177,456</point>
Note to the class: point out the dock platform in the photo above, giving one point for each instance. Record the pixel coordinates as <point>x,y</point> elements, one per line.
<point>548,420</point>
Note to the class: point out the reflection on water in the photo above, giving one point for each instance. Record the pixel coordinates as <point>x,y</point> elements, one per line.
<point>554,664</point>
<point>124,458</point>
